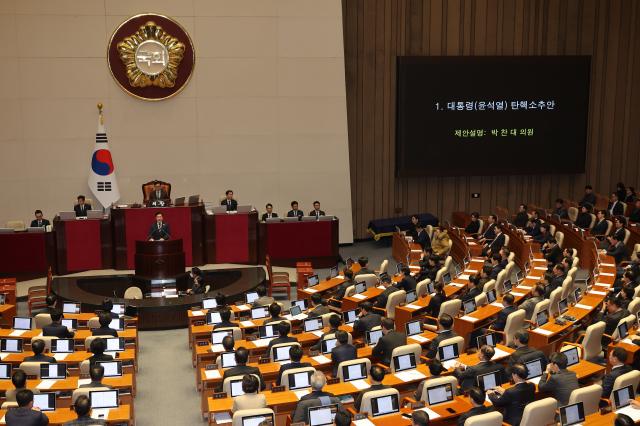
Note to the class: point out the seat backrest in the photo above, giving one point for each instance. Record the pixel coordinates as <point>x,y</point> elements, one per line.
<point>440,273</point>
<point>394,299</point>
<point>589,396</point>
<point>506,240</point>
<point>627,234</point>
<point>448,264</point>
<point>512,256</point>
<point>488,286</point>
<point>609,226</point>
<point>279,345</point>
<point>383,266</point>
<point>340,374</point>
<point>46,339</point>
<point>631,378</point>
<point>429,230</point>
<point>84,367</point>
<point>554,298</point>
<point>480,226</point>
<point>93,322</point>
<point>634,254</point>
<point>414,348</point>
<point>542,412</point>
<point>370,279</point>
<point>592,341</point>
<point>6,405</point>
<point>133,293</point>
<point>552,229</point>
<point>634,306</point>
<point>576,262</point>
<point>365,405</point>
<point>559,238</point>
<point>42,320</point>
<point>540,306</point>
<point>450,307</point>
<point>31,368</point>
<point>573,213</point>
<point>502,275</point>
<point>237,331</point>
<point>572,272</point>
<point>287,373</point>
<point>421,287</point>
<point>226,384</point>
<point>240,414</point>
<point>509,269</point>
<point>481,299</point>
<point>84,391</point>
<point>567,287</point>
<point>350,291</point>
<point>515,323</point>
<point>325,318</point>
<point>459,340</point>
<point>439,381</point>
<point>493,418</point>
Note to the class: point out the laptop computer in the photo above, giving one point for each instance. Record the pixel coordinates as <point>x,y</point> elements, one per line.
<point>302,303</point>
<point>66,215</point>
<point>623,330</point>
<point>623,396</point>
<point>227,359</point>
<point>384,405</point>
<point>115,344</point>
<point>439,394</point>
<point>70,308</point>
<point>448,352</point>
<point>194,199</point>
<point>354,372</point>
<point>36,229</point>
<point>373,336</point>
<point>11,345</point>
<point>404,362</point>
<point>491,296</point>
<point>104,399</point>
<point>295,310</point>
<point>542,317</point>
<point>251,297</point>
<point>22,323</point>
<point>312,281</point>
<point>95,214</point>
<point>360,287</point>
<point>323,415</point>
<point>413,327</point>
<point>327,345</point>
<point>213,318</point>
<point>71,324</point>
<point>333,271</point>
<point>535,370</point>
<point>469,306</point>
<point>489,380</point>
<point>5,371</point>
<point>350,316</point>
<point>300,380</point>
<point>573,357</point>
<point>45,401</point>
<point>218,336</point>
<point>411,297</point>
<point>259,312</point>
<point>312,324</point>
<point>62,346</point>
<point>489,339</point>
<point>111,368</point>
<point>267,331</point>
<point>179,201</point>
<point>281,353</point>
<point>572,414</point>
<point>209,303</point>
<point>53,371</point>
<point>236,388</point>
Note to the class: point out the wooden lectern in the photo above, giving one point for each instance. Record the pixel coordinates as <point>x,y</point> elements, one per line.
<point>159,259</point>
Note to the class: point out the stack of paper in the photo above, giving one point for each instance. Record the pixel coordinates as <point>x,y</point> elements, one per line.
<point>247,323</point>
<point>432,414</point>
<point>630,411</point>
<point>217,348</point>
<point>499,353</point>
<point>419,338</point>
<point>321,359</point>
<point>310,290</point>
<point>535,380</point>
<point>542,331</point>
<point>262,343</point>
<point>212,374</point>
<point>46,383</point>
<point>16,333</point>
<point>359,296</point>
<point>360,384</point>
<point>449,364</point>
<point>410,375</point>
<point>581,306</point>
<point>464,276</point>
<point>318,333</point>
<point>243,307</point>
<point>497,305</point>
<point>224,417</point>
<point>197,313</point>
<point>412,306</point>
<point>469,318</point>
<point>60,357</point>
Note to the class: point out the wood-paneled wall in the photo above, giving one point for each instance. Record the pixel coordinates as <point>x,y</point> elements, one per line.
<point>376,31</point>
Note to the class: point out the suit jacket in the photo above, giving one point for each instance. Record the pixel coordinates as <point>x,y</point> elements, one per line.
<point>471,294</point>
<point>475,411</point>
<point>588,199</point>
<point>81,211</point>
<point>97,384</point>
<point>583,220</point>
<point>612,320</point>
<point>423,239</point>
<point>358,400</point>
<point>263,301</point>
<point>40,358</point>
<point>562,212</point>
<point>105,331</point>
<point>521,219</point>
<point>23,416</point>
<point>43,222</point>
<point>600,228</point>
<point>154,196</point>
<point>241,370</point>
<point>534,229</point>
<point>407,283</point>
<point>249,401</point>
<point>387,343</point>
<point>156,233</point>
<point>442,335</point>
<point>266,216</point>
<point>469,376</point>
<point>619,251</point>
<point>319,213</point>
<point>495,271</point>
<point>381,301</point>
<point>472,228</point>
<point>294,213</point>
<point>556,281</point>
<point>559,385</point>
<point>525,354</point>
<point>554,255</point>
<point>434,304</point>
<point>232,205</point>
<point>501,321</point>
<point>619,233</point>
<point>513,400</point>
<point>497,243</point>
<point>609,379</point>
<point>367,322</point>
<point>342,289</point>
<point>290,366</point>
<point>57,330</point>
<point>542,238</point>
<point>342,353</point>
<point>615,209</point>
<point>318,311</point>
<point>490,232</point>
<point>428,272</point>
<point>529,305</point>
<point>95,358</point>
<point>301,412</point>
<point>85,421</point>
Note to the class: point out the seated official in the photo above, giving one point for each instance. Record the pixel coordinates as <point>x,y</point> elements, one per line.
<point>198,286</point>
<point>39,221</point>
<point>96,372</point>
<point>251,398</point>
<point>51,301</point>
<point>229,202</point>
<point>81,208</point>
<point>601,225</point>
<point>283,336</point>
<point>497,243</point>
<point>316,212</point>
<point>522,217</point>
<point>82,407</point>
<point>635,213</point>
<point>477,397</point>
<point>269,214</point>
<point>437,299</point>
<point>97,348</point>
<point>363,261</point>
<point>228,343</point>
<point>377,376</point>
<point>107,307</point>
<point>419,418</point>
<point>559,209</point>
<point>529,305</point>
<point>25,414</point>
<point>408,282</point>
<point>263,299</point>
<point>295,211</point>
<point>476,289</point>
<point>104,330</point>
<point>615,207</point>
<point>295,353</point>
<point>589,197</point>
<point>428,268</point>
<point>435,370</point>
<point>158,194</point>
<point>544,235</point>
<point>319,306</point>
<point>367,318</point>
<point>343,351</point>
<point>422,237</point>
<point>489,232</point>
<point>56,328</point>
<point>468,376</point>
<point>159,230</point>
<point>558,275</point>
<point>225,316</point>
<point>317,397</point>
<point>38,346</point>
<point>19,381</point>
<point>583,220</point>
<point>617,359</point>
<point>514,400</point>
<point>508,301</point>
<point>474,226</point>
<point>344,418</point>
<point>348,282</point>
<point>557,380</point>
<point>612,313</point>
<point>389,288</point>
<point>552,251</point>
<point>445,332</point>
<point>390,340</point>
<point>241,368</point>
<point>274,310</point>
<point>318,381</point>
<point>617,249</point>
<point>495,261</point>
<point>335,321</point>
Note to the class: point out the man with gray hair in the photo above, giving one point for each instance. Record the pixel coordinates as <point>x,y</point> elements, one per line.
<point>316,398</point>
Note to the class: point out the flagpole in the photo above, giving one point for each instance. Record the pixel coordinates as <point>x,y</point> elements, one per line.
<point>100,106</point>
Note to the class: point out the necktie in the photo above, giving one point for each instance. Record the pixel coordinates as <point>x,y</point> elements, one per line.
<point>159,225</point>
<point>157,194</point>
<point>39,223</point>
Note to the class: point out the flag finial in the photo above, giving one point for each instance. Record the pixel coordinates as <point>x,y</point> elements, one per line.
<point>100,112</point>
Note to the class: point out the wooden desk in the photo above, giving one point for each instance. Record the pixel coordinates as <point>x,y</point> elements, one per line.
<point>459,405</point>
<point>7,312</point>
<point>401,249</point>
<point>122,414</point>
<point>326,285</point>
<point>83,245</point>
<point>73,360</point>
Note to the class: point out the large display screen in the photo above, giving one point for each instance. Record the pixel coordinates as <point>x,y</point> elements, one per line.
<point>488,115</point>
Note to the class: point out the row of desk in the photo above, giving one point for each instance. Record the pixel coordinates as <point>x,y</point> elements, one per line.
<point>77,245</point>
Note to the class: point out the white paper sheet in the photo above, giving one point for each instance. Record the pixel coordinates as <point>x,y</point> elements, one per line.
<point>581,306</point>
<point>634,413</point>
<point>449,364</point>
<point>516,294</point>
<point>46,383</point>
<point>363,422</point>
<point>16,333</point>
<point>469,318</point>
<point>224,417</point>
<point>532,277</point>
<point>310,290</point>
<point>607,264</point>
<point>418,338</point>
<point>497,305</point>
<point>318,333</point>
<point>243,307</point>
<point>60,357</point>
<point>217,348</point>
<point>606,274</point>
<point>599,293</point>
<point>360,384</point>
<point>499,353</point>
<point>524,287</point>
<point>540,268</point>
<point>459,285</point>
<point>321,359</point>
<point>535,380</point>
<point>301,393</point>
<point>470,271</point>
<point>262,343</point>
<point>247,323</point>
<point>432,414</point>
<point>197,313</point>
<point>410,375</point>
<point>542,331</point>
<point>464,276</point>
<point>412,306</point>
<point>212,374</point>
<point>359,296</point>
<point>83,382</point>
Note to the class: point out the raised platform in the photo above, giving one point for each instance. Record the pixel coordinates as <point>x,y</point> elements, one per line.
<point>156,313</point>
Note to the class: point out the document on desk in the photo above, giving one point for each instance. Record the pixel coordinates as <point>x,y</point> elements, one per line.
<point>197,313</point>
<point>470,271</point>
<point>450,364</point>
<point>360,384</point>
<point>516,294</point>
<point>469,318</point>
<point>607,264</point>
<point>83,382</point>
<point>217,348</point>
<point>60,357</point>
<point>3,355</point>
<point>243,307</point>
<point>607,274</point>
<point>318,333</point>
<point>262,343</point>
<point>473,243</point>
<point>463,276</point>
<point>16,333</point>
<point>212,374</point>
<point>359,296</point>
<point>46,383</point>
<point>630,411</point>
<point>599,293</point>
<point>321,359</point>
<point>459,285</point>
<point>540,268</point>
<point>432,414</point>
<point>363,422</point>
<point>412,306</point>
<point>542,331</point>
<point>524,287</point>
<point>499,353</point>
<point>100,413</point>
<point>310,290</point>
<point>340,277</point>
<point>300,393</point>
<point>497,304</point>
<point>603,285</point>
<point>410,375</point>
<point>627,341</point>
<point>224,417</point>
<point>419,338</point>
<point>581,306</point>
<point>247,323</point>
<point>535,380</point>
<point>532,277</point>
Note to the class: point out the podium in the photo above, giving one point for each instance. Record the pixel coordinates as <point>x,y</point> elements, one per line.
<point>159,259</point>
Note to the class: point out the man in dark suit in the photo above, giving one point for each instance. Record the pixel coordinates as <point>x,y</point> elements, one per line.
<point>475,290</point>
<point>635,213</point>
<point>295,353</point>
<point>283,336</point>
<point>615,207</point>
<point>589,197</point>
<point>558,275</point>
<point>584,217</point>
<point>225,316</point>
<point>316,212</point>
<point>617,359</point>
<point>39,221</point>
<point>498,242</point>
<point>38,347</point>
<point>446,322</point>
<point>522,217</point>
<point>96,372</point>
<point>523,352</point>
<point>407,283</point>
<point>274,310</point>
<point>348,282</point>
<point>295,211</point>
<point>241,368</point>
<point>97,348</point>
<point>159,230</point>
<point>158,194</point>
<point>319,306</point>
<point>474,226</point>
<point>557,380</point>
<point>263,299</point>
<point>229,202</point>
<point>617,249</point>
<point>367,318</point>
<point>490,231</point>
<point>496,265</point>
<point>533,225</point>
<point>335,321</point>
<point>377,376</point>
<point>544,235</point>
<point>381,301</point>
<point>363,261</point>
<point>516,398</point>
<point>422,237</point>
<point>343,351</point>
<point>25,415</point>
<point>269,214</point>
<point>508,301</point>
<point>104,330</point>
<point>601,225</point>
<point>390,340</point>
<point>56,328</point>
<point>552,252</point>
<point>477,397</point>
<point>81,208</point>
<point>560,210</point>
<point>82,407</point>
<point>612,314</point>
<point>529,305</point>
<point>468,376</point>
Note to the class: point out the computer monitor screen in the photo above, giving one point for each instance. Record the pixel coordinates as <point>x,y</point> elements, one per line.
<point>11,345</point>
<point>267,331</point>
<point>257,420</point>
<point>300,303</point>
<point>117,324</point>
<point>534,368</point>
<point>259,312</point>
<point>507,286</point>
<point>70,308</point>
<point>487,339</point>
<point>300,380</point>
<point>542,317</point>
<point>431,287</point>
<point>281,353</point>
<point>53,371</point>
<point>209,303</point>
<point>328,345</point>
<point>324,415</point>
<point>354,371</point>
<point>312,324</point>
<point>217,336</point>
<point>118,308</point>
<point>71,324</point>
<point>623,396</point>
<point>563,306</point>
<point>312,280</point>
<point>411,297</point>
<point>104,399</point>
<point>491,296</point>
<point>295,310</point>
<point>489,380</point>
<point>469,306</point>
<point>350,316</point>
<point>623,330</point>
<point>373,336</point>
<point>115,344</point>
<point>111,368</point>
<point>251,297</point>
<point>572,414</point>
<point>439,394</point>
<point>577,294</point>
<point>45,401</point>
<point>413,327</point>
<point>22,323</point>
<point>5,371</point>
<point>333,272</point>
<point>404,362</point>
<point>360,287</point>
<point>227,359</point>
<point>572,356</point>
<point>384,405</point>
<point>62,346</point>
<point>448,352</point>
<point>446,278</point>
<point>236,388</point>
<point>213,318</point>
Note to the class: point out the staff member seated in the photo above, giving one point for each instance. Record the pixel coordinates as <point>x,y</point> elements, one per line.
<point>316,212</point>
<point>251,398</point>
<point>390,340</point>
<point>343,351</point>
<point>241,368</point>
<point>96,372</point>
<point>283,336</point>
<point>295,211</point>
<point>232,205</point>
<point>56,328</point>
<point>81,208</point>
<point>97,348</point>
<point>295,353</point>
<point>38,347</point>
<point>377,376</point>
<point>39,221</point>
<point>197,287</point>
<point>445,325</point>
<point>25,414</point>
<point>104,330</point>
<point>82,407</point>
<point>225,316</point>
<point>269,214</point>
<point>477,397</point>
<point>516,398</point>
<point>159,230</point>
